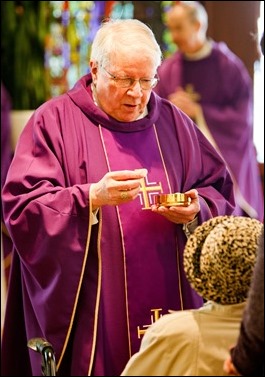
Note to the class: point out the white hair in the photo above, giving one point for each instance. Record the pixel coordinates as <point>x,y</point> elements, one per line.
<point>120,35</point>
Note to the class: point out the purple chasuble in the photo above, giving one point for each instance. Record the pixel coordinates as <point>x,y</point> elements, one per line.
<point>93,289</point>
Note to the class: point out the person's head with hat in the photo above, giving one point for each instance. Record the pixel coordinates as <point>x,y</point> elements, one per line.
<point>219,258</point>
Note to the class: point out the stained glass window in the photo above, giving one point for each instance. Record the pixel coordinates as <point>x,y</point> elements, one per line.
<point>73,25</point>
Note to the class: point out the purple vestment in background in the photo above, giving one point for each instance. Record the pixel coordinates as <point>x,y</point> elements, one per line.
<point>91,290</point>
<point>226,96</point>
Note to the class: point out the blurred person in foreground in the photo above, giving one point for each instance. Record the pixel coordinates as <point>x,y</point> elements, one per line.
<point>218,259</point>
<point>247,355</point>
<point>96,259</point>
<point>211,84</point>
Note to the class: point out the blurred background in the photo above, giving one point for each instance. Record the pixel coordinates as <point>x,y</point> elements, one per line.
<point>45,48</point>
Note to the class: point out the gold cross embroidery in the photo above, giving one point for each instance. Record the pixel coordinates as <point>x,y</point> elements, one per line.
<point>147,191</point>
<point>154,317</point>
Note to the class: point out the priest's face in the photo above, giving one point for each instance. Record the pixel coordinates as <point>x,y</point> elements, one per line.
<point>117,88</point>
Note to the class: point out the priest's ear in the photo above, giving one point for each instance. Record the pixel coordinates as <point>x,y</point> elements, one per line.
<point>94,68</point>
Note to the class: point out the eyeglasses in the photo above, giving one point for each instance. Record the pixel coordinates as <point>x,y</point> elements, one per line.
<point>127,82</point>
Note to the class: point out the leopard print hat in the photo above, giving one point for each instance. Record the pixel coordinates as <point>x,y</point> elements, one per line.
<point>219,258</point>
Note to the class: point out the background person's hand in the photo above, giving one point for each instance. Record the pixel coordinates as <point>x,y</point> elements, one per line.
<point>186,103</point>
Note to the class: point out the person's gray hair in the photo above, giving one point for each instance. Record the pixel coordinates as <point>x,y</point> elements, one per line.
<point>115,35</point>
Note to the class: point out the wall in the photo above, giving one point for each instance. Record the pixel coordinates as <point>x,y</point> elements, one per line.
<point>235,22</point>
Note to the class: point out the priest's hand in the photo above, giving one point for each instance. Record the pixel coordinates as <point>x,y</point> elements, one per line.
<point>179,214</point>
<point>116,187</point>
